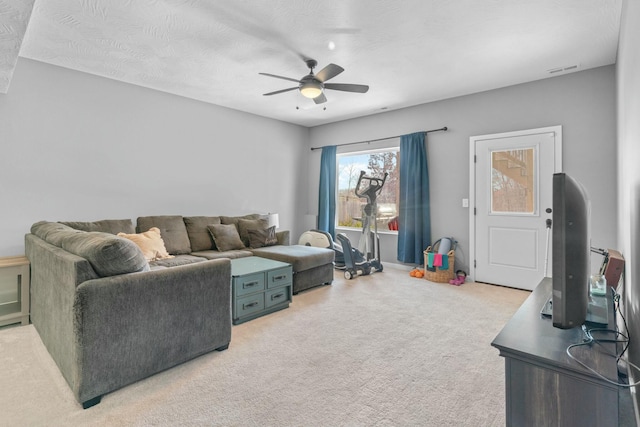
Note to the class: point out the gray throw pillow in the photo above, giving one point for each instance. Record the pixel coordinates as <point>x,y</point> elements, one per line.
<point>226,237</point>
<point>234,219</point>
<point>244,225</point>
<point>262,238</point>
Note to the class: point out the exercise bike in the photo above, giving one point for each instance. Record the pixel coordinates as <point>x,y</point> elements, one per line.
<point>366,258</point>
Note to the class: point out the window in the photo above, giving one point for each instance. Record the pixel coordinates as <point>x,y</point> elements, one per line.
<point>513,181</point>
<point>349,209</point>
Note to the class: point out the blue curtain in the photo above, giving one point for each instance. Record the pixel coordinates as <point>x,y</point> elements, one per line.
<point>327,191</point>
<point>414,219</point>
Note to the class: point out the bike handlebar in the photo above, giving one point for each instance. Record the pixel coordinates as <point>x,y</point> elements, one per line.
<point>374,183</point>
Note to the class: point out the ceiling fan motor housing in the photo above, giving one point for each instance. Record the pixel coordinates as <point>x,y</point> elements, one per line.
<point>311,63</point>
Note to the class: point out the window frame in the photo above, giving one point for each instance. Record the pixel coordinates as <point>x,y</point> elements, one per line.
<point>392,144</point>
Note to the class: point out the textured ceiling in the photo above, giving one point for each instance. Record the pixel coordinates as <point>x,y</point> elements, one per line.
<point>14,17</point>
<point>409,52</point>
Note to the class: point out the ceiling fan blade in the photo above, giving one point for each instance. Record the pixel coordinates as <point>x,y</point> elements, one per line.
<point>280,91</point>
<point>347,87</point>
<point>280,77</point>
<point>329,72</point>
<point>320,99</point>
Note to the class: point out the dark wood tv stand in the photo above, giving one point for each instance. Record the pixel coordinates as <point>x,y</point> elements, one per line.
<point>543,385</point>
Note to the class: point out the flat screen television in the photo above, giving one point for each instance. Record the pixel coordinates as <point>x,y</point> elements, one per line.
<point>571,246</point>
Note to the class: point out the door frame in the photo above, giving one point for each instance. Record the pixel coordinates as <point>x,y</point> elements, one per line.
<point>556,130</point>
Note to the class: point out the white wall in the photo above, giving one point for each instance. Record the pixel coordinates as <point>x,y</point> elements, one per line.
<point>628,90</point>
<point>583,103</point>
<point>79,147</point>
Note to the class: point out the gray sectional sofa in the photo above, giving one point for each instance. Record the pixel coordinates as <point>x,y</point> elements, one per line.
<point>109,317</point>
<point>190,239</point>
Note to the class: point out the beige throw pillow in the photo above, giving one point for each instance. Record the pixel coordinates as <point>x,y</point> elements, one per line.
<point>150,243</point>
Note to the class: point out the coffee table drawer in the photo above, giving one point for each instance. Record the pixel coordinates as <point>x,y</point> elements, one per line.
<point>249,305</point>
<point>249,284</point>
<point>279,277</point>
<point>277,296</point>
<point>260,286</point>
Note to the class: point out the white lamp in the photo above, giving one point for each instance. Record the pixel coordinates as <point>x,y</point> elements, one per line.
<point>273,220</point>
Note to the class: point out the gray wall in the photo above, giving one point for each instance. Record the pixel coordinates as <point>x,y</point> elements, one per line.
<point>583,103</point>
<point>628,91</point>
<point>79,147</point>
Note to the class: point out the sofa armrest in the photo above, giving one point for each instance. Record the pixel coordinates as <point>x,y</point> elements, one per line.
<point>283,237</point>
<point>55,275</point>
<point>131,326</point>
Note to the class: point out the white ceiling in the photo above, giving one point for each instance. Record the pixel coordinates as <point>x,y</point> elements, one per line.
<point>409,52</point>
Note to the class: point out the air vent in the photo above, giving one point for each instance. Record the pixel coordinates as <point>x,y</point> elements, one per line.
<point>563,69</point>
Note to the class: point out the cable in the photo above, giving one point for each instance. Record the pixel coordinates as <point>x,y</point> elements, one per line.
<point>616,299</point>
<point>589,339</point>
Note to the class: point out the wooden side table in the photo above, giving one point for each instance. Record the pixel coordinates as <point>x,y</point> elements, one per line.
<point>14,290</point>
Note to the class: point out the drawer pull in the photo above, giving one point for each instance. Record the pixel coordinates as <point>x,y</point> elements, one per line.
<point>276,296</point>
<point>252,304</point>
<point>249,284</point>
<point>281,277</point>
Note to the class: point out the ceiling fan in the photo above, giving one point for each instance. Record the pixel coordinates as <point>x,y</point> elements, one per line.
<point>313,85</point>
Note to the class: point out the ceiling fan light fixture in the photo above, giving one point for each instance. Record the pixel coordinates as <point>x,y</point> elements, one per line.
<point>311,89</point>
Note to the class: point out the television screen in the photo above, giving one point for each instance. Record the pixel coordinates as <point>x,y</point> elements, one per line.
<point>571,245</point>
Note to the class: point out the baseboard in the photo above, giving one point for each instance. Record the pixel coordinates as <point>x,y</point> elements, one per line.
<point>395,266</point>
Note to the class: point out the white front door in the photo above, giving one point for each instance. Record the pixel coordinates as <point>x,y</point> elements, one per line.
<point>511,190</point>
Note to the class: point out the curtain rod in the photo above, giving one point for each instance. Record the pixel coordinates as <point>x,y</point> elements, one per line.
<point>444,129</point>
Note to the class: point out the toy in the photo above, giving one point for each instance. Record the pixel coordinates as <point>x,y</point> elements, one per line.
<point>460,278</point>
<point>416,272</point>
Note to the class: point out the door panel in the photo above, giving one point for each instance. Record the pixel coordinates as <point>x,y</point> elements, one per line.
<point>506,246</point>
<point>512,188</point>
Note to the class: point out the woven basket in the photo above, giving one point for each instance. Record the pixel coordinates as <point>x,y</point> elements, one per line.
<point>441,276</point>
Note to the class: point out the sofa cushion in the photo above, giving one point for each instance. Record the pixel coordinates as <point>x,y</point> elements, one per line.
<point>113,226</point>
<point>172,229</point>
<point>150,243</point>
<point>199,236</point>
<point>300,257</point>
<point>52,232</point>
<point>215,254</point>
<point>109,255</point>
<point>244,225</point>
<point>175,261</point>
<point>261,238</point>
<point>226,237</point>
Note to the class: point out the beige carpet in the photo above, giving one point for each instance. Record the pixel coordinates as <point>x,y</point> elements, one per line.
<point>380,350</point>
